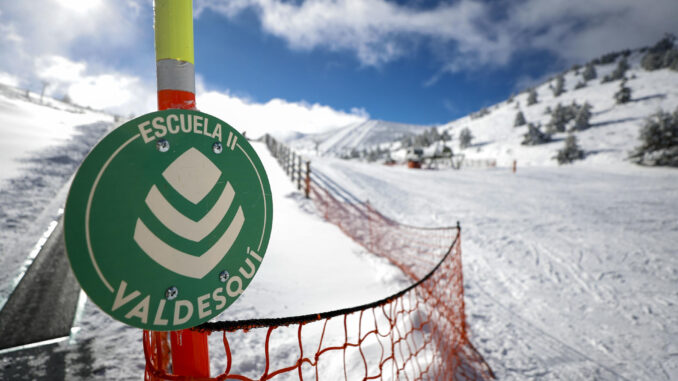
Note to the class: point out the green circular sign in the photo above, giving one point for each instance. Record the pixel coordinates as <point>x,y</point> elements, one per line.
<point>168,219</point>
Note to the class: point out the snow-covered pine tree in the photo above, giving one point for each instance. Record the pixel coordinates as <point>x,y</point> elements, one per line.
<point>406,141</point>
<point>445,136</point>
<point>618,73</point>
<point>372,155</point>
<point>581,121</point>
<point>520,119</point>
<point>559,88</point>
<point>579,85</point>
<point>658,141</point>
<point>624,93</point>
<point>433,135</point>
<point>547,110</point>
<point>421,140</point>
<point>559,119</point>
<point>465,138</point>
<point>534,136</point>
<point>570,152</point>
<point>663,54</point>
<point>571,111</point>
<point>589,72</point>
<point>532,97</point>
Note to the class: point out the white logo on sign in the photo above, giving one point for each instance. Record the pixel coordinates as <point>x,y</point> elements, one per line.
<point>193,176</point>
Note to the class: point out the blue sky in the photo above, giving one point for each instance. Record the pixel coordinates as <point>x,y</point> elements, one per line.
<point>313,65</point>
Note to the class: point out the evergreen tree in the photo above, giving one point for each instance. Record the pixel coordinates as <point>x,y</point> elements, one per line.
<point>445,136</point>
<point>619,72</point>
<point>534,136</point>
<point>520,119</point>
<point>532,97</point>
<point>559,88</point>
<point>571,111</point>
<point>372,155</point>
<point>624,93</point>
<point>421,140</point>
<point>662,55</point>
<point>570,152</point>
<point>581,121</point>
<point>480,113</point>
<point>579,85</point>
<point>658,141</point>
<point>465,138</point>
<point>547,110</point>
<point>589,72</point>
<point>433,135</point>
<point>559,119</point>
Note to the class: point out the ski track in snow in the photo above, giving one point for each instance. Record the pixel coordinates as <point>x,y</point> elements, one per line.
<point>570,272</point>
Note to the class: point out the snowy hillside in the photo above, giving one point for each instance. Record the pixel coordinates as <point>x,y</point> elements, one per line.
<point>27,124</point>
<point>41,145</point>
<point>614,128</point>
<point>355,137</point>
<point>611,133</point>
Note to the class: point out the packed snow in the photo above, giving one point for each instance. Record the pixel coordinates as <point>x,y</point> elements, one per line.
<point>570,273</point>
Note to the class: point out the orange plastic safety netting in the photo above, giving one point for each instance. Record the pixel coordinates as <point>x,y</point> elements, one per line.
<point>418,333</point>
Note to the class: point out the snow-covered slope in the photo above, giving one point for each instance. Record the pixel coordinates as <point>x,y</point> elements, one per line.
<point>356,136</point>
<point>613,133</point>
<point>614,127</point>
<point>41,145</point>
<point>27,125</point>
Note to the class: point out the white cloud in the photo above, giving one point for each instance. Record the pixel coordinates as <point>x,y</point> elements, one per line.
<point>465,34</point>
<point>376,30</point>
<point>41,45</point>
<point>59,69</point>
<point>110,90</point>
<point>578,30</point>
<point>274,116</point>
<point>122,93</point>
<point>8,79</point>
<point>102,30</point>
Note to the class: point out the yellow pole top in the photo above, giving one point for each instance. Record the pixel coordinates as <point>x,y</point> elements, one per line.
<point>174,30</point>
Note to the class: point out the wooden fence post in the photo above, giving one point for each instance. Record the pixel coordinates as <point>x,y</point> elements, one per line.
<point>307,191</point>
<point>299,173</point>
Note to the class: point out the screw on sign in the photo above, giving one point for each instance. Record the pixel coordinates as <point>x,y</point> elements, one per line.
<point>168,219</point>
